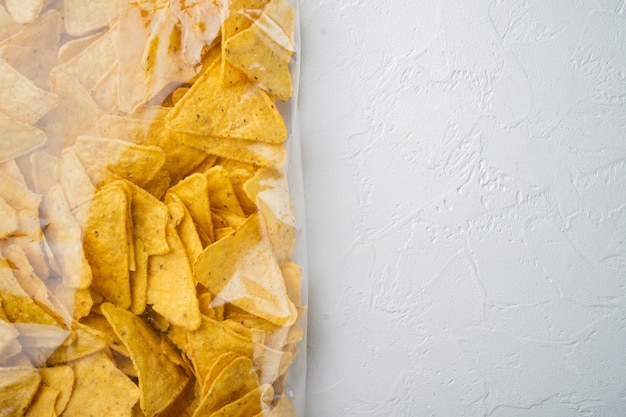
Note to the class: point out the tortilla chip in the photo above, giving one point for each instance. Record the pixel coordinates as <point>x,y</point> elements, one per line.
<point>139,280</point>
<point>234,382</point>
<point>9,218</point>
<point>7,26</point>
<point>43,403</point>
<point>43,170</point>
<point>240,14</point>
<point>293,282</point>
<point>150,53</point>
<point>34,64</point>
<point>221,193</point>
<point>30,238</point>
<point>149,360</point>
<point>39,341</point>
<point>20,98</point>
<point>282,408</point>
<point>60,378</point>
<point>65,239</point>
<point>16,303</point>
<point>18,386</point>
<point>73,47</point>
<point>101,390</point>
<point>43,33</point>
<point>9,345</point>
<point>186,229</point>
<point>200,22</point>
<point>270,190</point>
<point>250,151</point>
<point>171,285</point>
<point>209,109</point>
<point>250,404</point>
<point>104,91</point>
<point>19,138</point>
<point>263,50</point>
<point>84,16</point>
<point>76,184</point>
<point>136,163</point>
<point>24,11</point>
<point>106,226</point>
<point>84,341</point>
<point>99,323</point>
<point>193,192</point>
<point>221,362</point>
<point>230,268</point>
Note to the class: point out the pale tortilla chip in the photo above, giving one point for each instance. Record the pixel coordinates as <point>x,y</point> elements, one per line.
<point>43,170</point>
<point>24,11</point>
<point>43,33</point>
<point>76,184</point>
<point>9,218</point>
<point>34,64</point>
<point>65,239</point>
<point>84,16</point>
<point>20,98</point>
<point>9,345</point>
<point>73,47</point>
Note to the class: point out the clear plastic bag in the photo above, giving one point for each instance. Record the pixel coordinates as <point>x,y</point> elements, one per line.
<point>151,209</point>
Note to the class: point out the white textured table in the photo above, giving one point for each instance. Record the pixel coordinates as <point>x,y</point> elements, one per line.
<point>465,174</point>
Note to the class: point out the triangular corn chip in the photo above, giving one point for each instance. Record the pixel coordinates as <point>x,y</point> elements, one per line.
<point>24,11</point>
<point>106,227</point>
<point>171,285</point>
<point>151,363</point>
<point>250,151</point>
<point>84,341</point>
<point>193,192</point>
<point>229,269</point>
<point>34,64</point>
<point>84,16</point>
<point>60,378</point>
<point>263,50</point>
<point>101,390</point>
<point>240,111</point>
<point>9,218</point>
<point>43,402</point>
<point>18,386</point>
<point>249,405</point>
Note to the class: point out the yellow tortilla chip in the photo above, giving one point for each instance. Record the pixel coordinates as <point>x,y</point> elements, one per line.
<point>250,404</point>
<point>99,323</point>
<point>236,380</point>
<point>221,193</point>
<point>151,363</point>
<point>250,151</point>
<point>222,232</point>
<point>84,341</point>
<point>263,50</point>
<point>139,280</point>
<point>105,242</point>
<point>60,378</point>
<point>209,109</point>
<point>18,386</point>
<point>240,14</point>
<point>171,285</point>
<point>30,238</point>
<point>221,362</point>
<point>101,390</point>
<point>230,269</point>
<point>193,192</point>
<point>65,239</point>
<point>43,403</point>
<point>186,229</point>
<point>136,163</point>
<point>293,282</point>
<point>126,187</point>
<point>16,303</point>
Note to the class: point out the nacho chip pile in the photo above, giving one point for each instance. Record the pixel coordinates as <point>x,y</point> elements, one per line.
<point>146,228</point>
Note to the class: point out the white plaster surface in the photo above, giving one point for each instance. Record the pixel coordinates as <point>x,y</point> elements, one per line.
<point>465,174</point>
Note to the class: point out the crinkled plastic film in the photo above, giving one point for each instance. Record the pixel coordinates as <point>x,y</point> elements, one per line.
<point>152,256</point>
